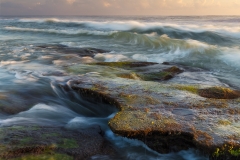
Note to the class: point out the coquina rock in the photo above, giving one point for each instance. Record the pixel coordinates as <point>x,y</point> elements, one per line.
<point>169,117</point>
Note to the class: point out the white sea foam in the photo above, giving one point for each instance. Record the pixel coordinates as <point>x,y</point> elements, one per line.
<point>231,57</point>
<point>106,57</point>
<point>137,150</point>
<point>68,32</point>
<point>126,25</point>
<point>4,63</point>
<point>51,112</point>
<point>83,122</point>
<point>40,20</point>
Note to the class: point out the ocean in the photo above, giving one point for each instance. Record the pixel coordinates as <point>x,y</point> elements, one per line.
<point>31,67</point>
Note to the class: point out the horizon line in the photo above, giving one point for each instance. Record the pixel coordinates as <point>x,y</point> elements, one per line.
<point>121,15</point>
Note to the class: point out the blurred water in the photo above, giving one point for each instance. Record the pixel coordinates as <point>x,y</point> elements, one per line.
<point>29,74</point>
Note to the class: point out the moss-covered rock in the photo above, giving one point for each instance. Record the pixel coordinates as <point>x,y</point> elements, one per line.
<point>227,151</point>
<point>158,76</point>
<point>82,52</point>
<point>173,70</point>
<point>163,75</point>
<point>167,117</point>
<point>219,93</point>
<point>33,142</point>
<point>131,75</point>
<point>124,64</point>
<point>53,156</point>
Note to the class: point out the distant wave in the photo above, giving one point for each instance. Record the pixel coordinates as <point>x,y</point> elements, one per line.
<point>40,20</point>
<point>55,31</point>
<point>143,26</point>
<point>149,41</point>
<point>224,34</point>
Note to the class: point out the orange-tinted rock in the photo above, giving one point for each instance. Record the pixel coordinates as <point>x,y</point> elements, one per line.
<point>165,118</point>
<point>219,93</point>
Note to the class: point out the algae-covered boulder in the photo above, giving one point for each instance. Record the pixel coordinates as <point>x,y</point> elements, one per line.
<point>219,93</point>
<point>82,52</point>
<point>168,117</point>
<point>36,142</point>
<point>143,73</point>
<point>162,75</point>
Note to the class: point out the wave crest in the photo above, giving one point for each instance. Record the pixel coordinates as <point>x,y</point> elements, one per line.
<point>67,31</point>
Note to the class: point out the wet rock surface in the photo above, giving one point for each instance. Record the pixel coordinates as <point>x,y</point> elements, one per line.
<point>219,93</point>
<point>124,64</point>
<point>82,52</point>
<point>140,70</point>
<point>167,106</point>
<point>168,116</point>
<point>36,142</point>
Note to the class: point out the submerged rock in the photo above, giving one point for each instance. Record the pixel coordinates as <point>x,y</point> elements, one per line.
<point>168,117</point>
<point>139,70</point>
<point>166,63</point>
<point>82,52</point>
<point>124,64</point>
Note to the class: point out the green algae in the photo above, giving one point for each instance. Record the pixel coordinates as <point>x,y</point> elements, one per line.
<point>190,88</point>
<point>157,76</point>
<point>224,122</point>
<point>26,140</point>
<point>48,135</point>
<point>55,156</point>
<point>131,75</point>
<point>173,69</point>
<point>226,151</point>
<point>234,152</point>
<point>136,99</point>
<point>238,100</point>
<point>141,122</point>
<point>8,151</point>
<point>68,143</point>
<point>99,71</point>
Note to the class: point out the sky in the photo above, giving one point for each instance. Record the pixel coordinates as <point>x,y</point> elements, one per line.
<point>119,7</point>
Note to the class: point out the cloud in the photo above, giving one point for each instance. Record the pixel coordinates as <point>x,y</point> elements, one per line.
<point>71,1</point>
<point>145,4</point>
<point>106,4</point>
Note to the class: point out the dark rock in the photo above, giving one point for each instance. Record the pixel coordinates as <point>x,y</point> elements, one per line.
<point>82,52</point>
<point>53,142</point>
<point>166,63</point>
<point>54,73</point>
<point>163,75</point>
<point>219,93</point>
<point>174,70</point>
<point>124,64</point>
<point>130,76</point>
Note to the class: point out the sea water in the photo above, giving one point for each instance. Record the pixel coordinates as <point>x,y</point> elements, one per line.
<point>30,75</point>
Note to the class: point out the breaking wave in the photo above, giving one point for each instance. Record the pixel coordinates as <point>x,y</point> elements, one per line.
<point>56,31</point>
<point>130,25</point>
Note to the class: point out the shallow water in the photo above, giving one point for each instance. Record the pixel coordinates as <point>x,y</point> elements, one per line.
<point>29,74</point>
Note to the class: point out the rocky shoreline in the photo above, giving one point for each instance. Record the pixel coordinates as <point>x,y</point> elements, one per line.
<point>169,117</point>
<point>167,106</point>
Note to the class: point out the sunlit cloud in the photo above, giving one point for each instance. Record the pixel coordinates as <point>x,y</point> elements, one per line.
<point>71,1</point>
<point>145,3</point>
<point>106,4</point>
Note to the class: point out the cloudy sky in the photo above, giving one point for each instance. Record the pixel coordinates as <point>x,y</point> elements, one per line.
<point>119,7</point>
